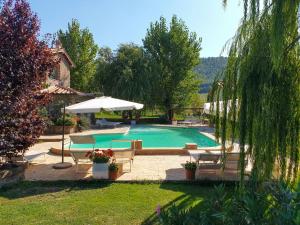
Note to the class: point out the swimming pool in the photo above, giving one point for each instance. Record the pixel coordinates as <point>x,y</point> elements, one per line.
<point>153,137</point>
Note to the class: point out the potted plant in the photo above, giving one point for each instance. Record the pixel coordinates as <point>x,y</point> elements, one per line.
<point>100,160</point>
<point>190,169</point>
<point>113,171</point>
<point>56,126</point>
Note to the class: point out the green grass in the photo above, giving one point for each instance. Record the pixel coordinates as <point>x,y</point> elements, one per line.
<point>108,115</point>
<point>93,202</point>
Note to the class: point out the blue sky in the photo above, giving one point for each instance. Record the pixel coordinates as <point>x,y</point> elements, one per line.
<point>121,21</point>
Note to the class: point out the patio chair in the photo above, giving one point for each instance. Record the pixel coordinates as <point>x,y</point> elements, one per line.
<point>190,120</point>
<point>124,156</point>
<point>218,149</point>
<point>79,155</point>
<point>232,160</point>
<point>105,123</point>
<point>206,160</point>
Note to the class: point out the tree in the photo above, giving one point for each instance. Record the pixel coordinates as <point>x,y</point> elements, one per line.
<point>128,73</point>
<point>24,63</point>
<point>173,54</point>
<point>102,76</point>
<point>267,116</point>
<point>80,45</point>
<point>123,74</point>
<point>284,18</point>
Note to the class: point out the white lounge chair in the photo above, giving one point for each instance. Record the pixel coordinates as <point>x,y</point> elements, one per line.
<point>211,157</point>
<point>79,155</point>
<point>232,160</point>
<point>123,156</point>
<point>209,160</point>
<point>190,120</point>
<point>105,123</point>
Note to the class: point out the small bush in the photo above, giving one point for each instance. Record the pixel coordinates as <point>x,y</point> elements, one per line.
<point>273,204</point>
<point>190,166</point>
<point>69,121</point>
<point>113,167</point>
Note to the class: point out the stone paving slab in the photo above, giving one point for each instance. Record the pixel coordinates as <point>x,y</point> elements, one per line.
<point>165,167</point>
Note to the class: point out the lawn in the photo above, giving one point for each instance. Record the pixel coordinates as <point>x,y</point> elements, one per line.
<point>93,202</point>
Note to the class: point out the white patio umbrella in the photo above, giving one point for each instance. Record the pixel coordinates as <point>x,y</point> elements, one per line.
<point>208,110</point>
<point>93,106</point>
<point>103,103</point>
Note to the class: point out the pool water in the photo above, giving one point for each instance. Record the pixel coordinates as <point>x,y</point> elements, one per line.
<point>153,137</point>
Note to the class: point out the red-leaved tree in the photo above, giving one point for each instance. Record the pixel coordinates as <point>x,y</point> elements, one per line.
<point>25,62</point>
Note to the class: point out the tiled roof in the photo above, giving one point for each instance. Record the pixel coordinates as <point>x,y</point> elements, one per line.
<point>59,90</point>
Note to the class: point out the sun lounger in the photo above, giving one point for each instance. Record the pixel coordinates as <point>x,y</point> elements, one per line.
<point>232,160</point>
<point>79,155</point>
<point>105,123</point>
<point>218,149</point>
<point>205,158</point>
<point>189,121</point>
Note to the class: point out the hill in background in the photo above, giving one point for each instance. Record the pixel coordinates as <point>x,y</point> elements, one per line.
<point>208,69</point>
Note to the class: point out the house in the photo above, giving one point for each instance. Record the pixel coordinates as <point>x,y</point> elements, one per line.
<point>58,84</point>
<point>61,74</point>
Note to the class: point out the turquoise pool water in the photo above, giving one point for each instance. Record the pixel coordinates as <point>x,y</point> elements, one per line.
<point>153,136</point>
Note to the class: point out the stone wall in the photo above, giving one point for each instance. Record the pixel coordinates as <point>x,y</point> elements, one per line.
<point>54,108</point>
<point>64,72</point>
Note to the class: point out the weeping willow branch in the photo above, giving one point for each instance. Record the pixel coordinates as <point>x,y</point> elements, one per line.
<point>267,88</point>
<point>283,20</point>
<point>292,44</point>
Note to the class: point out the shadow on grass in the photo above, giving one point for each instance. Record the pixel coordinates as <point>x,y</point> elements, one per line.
<point>32,188</point>
<point>192,198</point>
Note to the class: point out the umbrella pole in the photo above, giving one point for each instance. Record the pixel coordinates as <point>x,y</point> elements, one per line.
<point>63,164</point>
<point>63,135</point>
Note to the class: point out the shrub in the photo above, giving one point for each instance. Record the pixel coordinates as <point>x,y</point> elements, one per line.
<point>113,167</point>
<point>273,204</point>
<point>69,121</point>
<point>43,113</point>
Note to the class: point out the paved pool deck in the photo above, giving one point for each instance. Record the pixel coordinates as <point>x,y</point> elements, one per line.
<point>145,167</point>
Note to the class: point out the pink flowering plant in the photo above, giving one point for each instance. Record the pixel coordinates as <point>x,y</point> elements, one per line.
<point>100,156</point>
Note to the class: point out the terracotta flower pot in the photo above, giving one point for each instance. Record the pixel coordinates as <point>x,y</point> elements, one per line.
<point>113,175</point>
<point>190,174</point>
<point>58,129</point>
